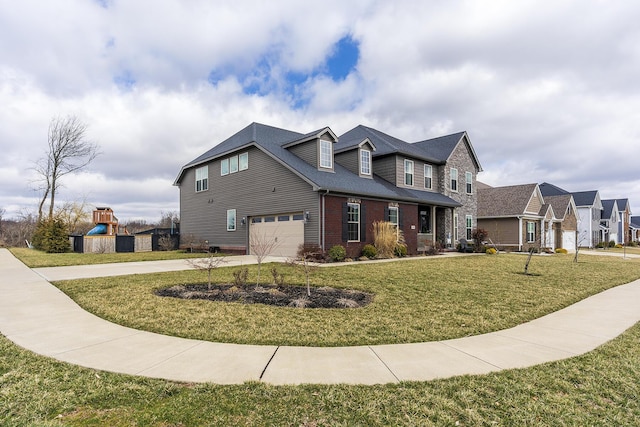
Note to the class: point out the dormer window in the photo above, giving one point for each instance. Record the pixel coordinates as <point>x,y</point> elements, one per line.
<point>365,162</point>
<point>326,154</point>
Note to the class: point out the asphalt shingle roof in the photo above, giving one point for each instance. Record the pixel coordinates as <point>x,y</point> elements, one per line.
<point>585,198</point>
<point>559,204</point>
<point>271,140</point>
<point>504,201</point>
<point>607,206</point>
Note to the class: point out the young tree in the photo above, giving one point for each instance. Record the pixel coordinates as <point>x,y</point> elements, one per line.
<point>262,245</point>
<point>68,151</point>
<point>207,264</point>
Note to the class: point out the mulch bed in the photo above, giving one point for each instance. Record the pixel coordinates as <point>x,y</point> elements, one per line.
<point>281,296</point>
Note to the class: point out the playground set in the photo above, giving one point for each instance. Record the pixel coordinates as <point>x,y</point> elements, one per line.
<point>109,236</point>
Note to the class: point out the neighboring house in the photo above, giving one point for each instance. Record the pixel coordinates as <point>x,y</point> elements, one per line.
<point>609,222</point>
<point>515,217</point>
<point>634,229</point>
<point>321,189</point>
<point>589,207</point>
<point>565,223</point>
<point>624,222</point>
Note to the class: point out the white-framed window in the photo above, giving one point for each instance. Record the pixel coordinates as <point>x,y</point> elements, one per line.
<point>353,222</point>
<point>469,226</point>
<point>454,179</point>
<point>224,167</point>
<point>365,162</point>
<point>531,231</point>
<point>428,175</point>
<point>243,161</point>
<point>408,172</point>
<point>231,220</point>
<point>233,164</point>
<point>202,178</point>
<point>326,155</point>
<point>468,177</point>
<point>393,216</point>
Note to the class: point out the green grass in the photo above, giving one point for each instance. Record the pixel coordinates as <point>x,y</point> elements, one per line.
<point>599,388</point>
<point>35,259</point>
<point>415,300</point>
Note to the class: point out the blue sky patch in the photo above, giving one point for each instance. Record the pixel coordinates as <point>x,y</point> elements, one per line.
<point>343,59</point>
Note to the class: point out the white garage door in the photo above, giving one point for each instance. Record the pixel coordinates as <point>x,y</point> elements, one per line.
<point>569,240</point>
<point>285,230</point>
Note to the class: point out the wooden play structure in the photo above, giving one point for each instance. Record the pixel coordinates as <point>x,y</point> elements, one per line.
<point>106,223</point>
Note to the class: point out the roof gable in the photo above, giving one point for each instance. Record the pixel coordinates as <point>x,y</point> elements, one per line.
<point>587,199</point>
<point>561,204</point>
<point>514,200</point>
<point>609,209</point>
<point>444,146</point>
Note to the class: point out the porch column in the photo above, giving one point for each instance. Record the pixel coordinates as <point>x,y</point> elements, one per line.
<point>433,225</point>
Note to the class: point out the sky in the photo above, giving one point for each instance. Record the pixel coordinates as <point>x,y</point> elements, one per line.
<point>547,91</point>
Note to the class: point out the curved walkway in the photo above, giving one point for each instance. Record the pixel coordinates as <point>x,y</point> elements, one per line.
<point>36,315</point>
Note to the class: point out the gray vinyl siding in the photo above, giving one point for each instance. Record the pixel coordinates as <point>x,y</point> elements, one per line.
<point>307,151</point>
<point>349,160</point>
<point>385,168</point>
<point>266,187</point>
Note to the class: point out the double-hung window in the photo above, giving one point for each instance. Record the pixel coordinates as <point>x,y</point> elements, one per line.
<point>469,224</point>
<point>408,172</point>
<point>531,231</point>
<point>243,161</point>
<point>365,162</point>
<point>231,220</point>
<point>233,164</point>
<point>202,178</point>
<point>326,157</point>
<point>353,222</point>
<point>468,177</point>
<point>428,174</point>
<point>454,179</point>
<point>224,167</point>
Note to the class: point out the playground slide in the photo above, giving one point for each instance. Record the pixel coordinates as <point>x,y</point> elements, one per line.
<point>98,229</point>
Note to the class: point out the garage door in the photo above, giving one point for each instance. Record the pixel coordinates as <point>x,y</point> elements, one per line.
<point>569,240</point>
<point>286,231</point>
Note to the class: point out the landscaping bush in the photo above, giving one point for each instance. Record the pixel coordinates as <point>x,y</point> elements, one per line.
<point>369,251</point>
<point>561,251</point>
<point>479,235</point>
<point>337,253</point>
<point>491,251</point>
<point>612,244</point>
<point>400,250</point>
<point>618,246</point>
<point>310,252</point>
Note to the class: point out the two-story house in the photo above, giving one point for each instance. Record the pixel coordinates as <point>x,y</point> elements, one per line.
<point>609,221</point>
<point>318,188</point>
<point>624,222</point>
<point>589,207</point>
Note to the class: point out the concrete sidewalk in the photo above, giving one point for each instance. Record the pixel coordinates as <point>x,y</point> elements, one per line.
<point>37,316</point>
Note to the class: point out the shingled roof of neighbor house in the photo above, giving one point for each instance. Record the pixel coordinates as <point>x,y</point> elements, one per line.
<point>504,201</point>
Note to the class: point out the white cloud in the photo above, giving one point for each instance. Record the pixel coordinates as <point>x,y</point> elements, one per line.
<point>546,92</point>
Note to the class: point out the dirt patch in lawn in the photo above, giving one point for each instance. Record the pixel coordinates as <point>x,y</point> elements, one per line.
<point>281,296</point>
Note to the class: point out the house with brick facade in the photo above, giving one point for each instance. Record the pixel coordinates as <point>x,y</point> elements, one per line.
<point>323,189</point>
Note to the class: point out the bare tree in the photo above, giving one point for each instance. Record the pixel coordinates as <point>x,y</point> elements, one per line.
<point>76,215</point>
<point>262,245</point>
<point>68,151</point>
<point>207,264</point>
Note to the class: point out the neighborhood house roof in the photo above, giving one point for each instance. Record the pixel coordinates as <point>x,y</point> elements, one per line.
<point>272,141</point>
<point>585,198</point>
<point>504,201</point>
<point>608,206</point>
<point>559,203</point>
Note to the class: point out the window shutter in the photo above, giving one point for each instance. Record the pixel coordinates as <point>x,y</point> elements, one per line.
<point>363,224</point>
<point>387,217</point>
<point>400,219</point>
<point>345,229</point>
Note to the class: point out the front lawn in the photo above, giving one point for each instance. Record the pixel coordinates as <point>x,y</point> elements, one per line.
<point>35,259</point>
<point>600,388</point>
<point>416,300</point>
